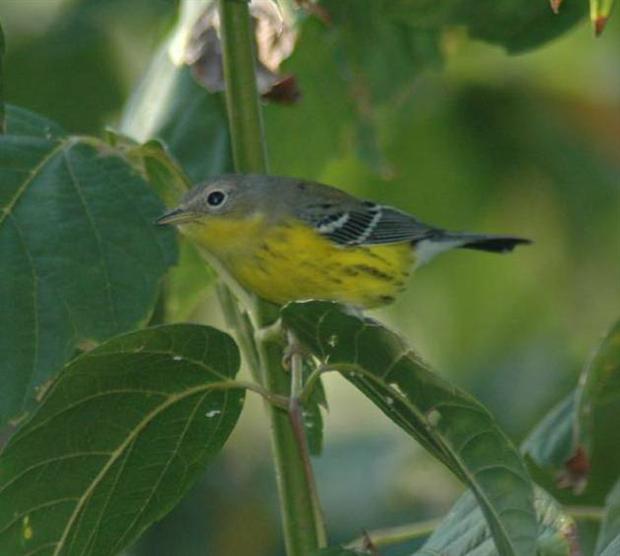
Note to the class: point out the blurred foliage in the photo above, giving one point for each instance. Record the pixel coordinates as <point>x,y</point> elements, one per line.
<point>610,528</point>
<point>574,439</point>
<point>516,25</point>
<point>77,50</point>
<point>458,132</point>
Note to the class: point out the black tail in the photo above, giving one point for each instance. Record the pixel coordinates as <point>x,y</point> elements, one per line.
<point>439,241</point>
<point>494,244</point>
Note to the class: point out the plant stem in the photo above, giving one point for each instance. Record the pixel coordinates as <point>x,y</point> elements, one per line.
<point>278,401</point>
<point>244,114</point>
<point>396,535</point>
<point>302,523</point>
<point>312,381</point>
<point>2,111</point>
<point>240,322</point>
<point>586,513</point>
<point>295,412</point>
<point>410,532</point>
<point>301,518</point>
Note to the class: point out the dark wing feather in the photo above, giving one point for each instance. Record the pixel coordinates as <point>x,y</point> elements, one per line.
<point>367,224</point>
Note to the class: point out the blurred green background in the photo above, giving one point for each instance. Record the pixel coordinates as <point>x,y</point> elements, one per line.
<point>456,131</point>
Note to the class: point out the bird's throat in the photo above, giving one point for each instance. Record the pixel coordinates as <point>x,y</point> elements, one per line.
<point>226,238</point>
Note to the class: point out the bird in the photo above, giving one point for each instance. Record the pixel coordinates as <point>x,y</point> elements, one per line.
<point>287,239</point>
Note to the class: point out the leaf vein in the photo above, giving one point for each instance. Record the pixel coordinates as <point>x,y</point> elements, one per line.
<point>117,453</point>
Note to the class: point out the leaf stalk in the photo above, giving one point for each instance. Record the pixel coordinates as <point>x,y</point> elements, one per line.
<point>396,535</point>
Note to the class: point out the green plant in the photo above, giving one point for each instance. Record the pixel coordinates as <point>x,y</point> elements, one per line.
<point>118,412</point>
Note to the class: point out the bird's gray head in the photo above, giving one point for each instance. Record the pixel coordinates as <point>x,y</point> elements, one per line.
<point>228,195</point>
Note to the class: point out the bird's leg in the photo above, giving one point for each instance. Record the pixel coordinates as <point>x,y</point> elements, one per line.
<point>293,356</point>
<point>293,360</point>
<point>292,348</point>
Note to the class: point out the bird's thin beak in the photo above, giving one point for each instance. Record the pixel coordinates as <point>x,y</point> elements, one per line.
<point>175,216</point>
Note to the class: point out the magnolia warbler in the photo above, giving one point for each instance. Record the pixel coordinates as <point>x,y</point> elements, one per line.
<point>286,239</point>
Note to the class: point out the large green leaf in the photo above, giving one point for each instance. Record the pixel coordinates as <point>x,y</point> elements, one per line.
<point>118,439</point>
<point>153,161</point>
<point>514,24</point>
<point>465,532</point>
<point>452,425</point>
<point>81,257</point>
<point>20,121</point>
<point>580,432</point>
<point>551,442</point>
<point>601,383</point>
<point>187,282</point>
<point>613,549</point>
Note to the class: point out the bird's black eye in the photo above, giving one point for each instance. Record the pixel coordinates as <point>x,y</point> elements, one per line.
<point>216,198</point>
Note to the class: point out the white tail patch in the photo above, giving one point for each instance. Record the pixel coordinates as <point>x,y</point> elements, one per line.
<point>427,249</point>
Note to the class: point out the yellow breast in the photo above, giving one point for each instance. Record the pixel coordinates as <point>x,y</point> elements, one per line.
<point>291,261</point>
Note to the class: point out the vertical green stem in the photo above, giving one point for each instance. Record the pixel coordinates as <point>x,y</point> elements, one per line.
<point>302,523</point>
<point>244,114</point>
<point>2,112</point>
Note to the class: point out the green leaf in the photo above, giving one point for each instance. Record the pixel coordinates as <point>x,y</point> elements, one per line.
<point>81,257</point>
<point>162,171</point>
<point>516,25</point>
<point>155,164</point>
<point>465,532</point>
<point>20,121</point>
<point>187,281</point>
<point>609,535</point>
<point>449,423</point>
<point>613,549</point>
<point>171,106</point>
<point>520,26</point>
<point>601,383</point>
<point>566,438</point>
<point>121,435</point>
<point>551,442</point>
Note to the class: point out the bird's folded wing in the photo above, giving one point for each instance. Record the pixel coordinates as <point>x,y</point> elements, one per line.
<point>367,224</point>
